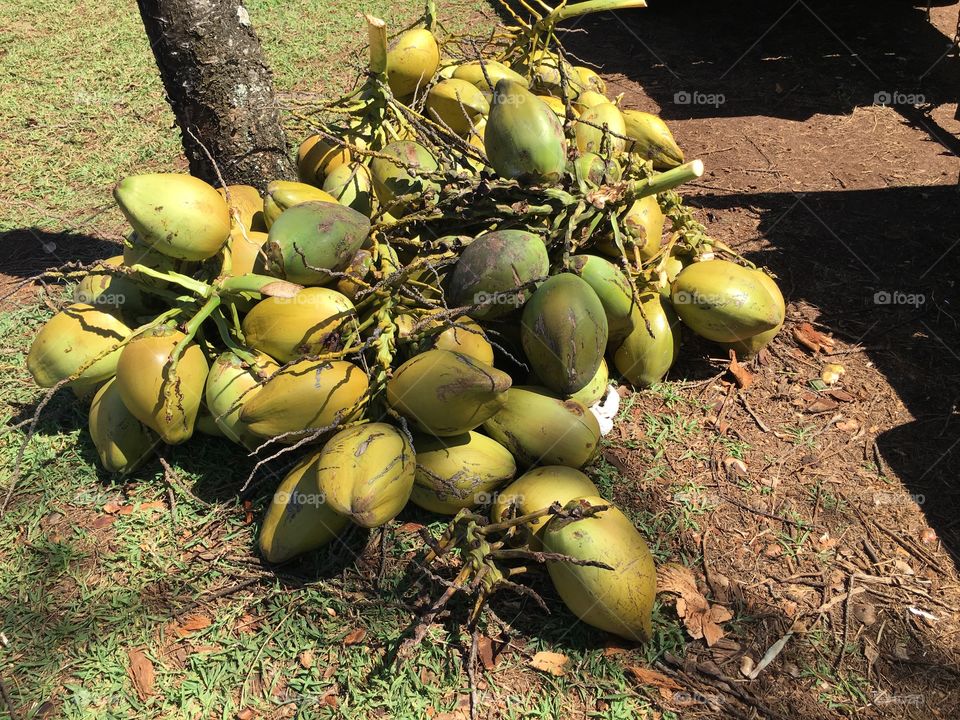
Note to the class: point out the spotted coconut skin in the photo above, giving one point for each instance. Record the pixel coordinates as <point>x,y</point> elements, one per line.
<point>524,138</point>
<point>541,428</point>
<point>618,600</point>
<point>310,240</point>
<point>498,272</point>
<point>564,333</point>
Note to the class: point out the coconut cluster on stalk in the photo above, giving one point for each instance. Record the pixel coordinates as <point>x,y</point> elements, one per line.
<point>480,239</point>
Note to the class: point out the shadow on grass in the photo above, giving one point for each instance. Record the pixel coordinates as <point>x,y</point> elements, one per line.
<point>25,252</point>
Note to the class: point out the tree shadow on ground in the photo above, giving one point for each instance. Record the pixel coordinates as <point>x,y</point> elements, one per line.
<point>785,58</point>
<point>25,252</point>
<point>880,265</point>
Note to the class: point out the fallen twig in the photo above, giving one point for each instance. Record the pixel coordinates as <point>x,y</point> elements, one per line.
<point>14,713</point>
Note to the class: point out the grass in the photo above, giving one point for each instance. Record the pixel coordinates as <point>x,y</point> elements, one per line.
<point>804,435</point>
<point>82,105</point>
<point>79,597</point>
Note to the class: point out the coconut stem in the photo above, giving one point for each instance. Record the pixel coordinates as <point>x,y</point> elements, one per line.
<point>554,510</point>
<point>430,15</point>
<point>202,314</point>
<point>377,34</point>
<point>263,284</point>
<point>224,330</point>
<point>664,181</point>
<point>544,557</point>
<point>188,283</point>
<point>591,6</point>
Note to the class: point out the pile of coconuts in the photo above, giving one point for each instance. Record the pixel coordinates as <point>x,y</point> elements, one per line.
<point>481,240</point>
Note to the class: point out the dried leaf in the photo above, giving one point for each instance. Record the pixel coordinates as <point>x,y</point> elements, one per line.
<point>678,579</point>
<point>822,405</point>
<point>812,339</point>
<point>190,624</point>
<point>645,676</point>
<point>141,673</point>
<point>306,659</point>
<point>203,649</point>
<point>701,619</point>
<point>902,567</point>
<point>773,550</point>
<point>247,624</point>
<point>613,647</point>
<point>457,714</point>
<point>355,636</point>
<point>549,662</point>
<point>850,426</point>
<point>841,395</point>
<point>743,376</point>
<point>735,467</point>
<point>409,527</point>
<point>112,507</point>
<point>280,289</point>
<point>825,542</point>
<point>712,632</point>
<point>103,521</point>
<point>128,509</point>
<point>865,612</point>
<point>485,651</point>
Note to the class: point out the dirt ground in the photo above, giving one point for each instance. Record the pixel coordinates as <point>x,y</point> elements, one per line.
<point>854,206</point>
<point>829,132</point>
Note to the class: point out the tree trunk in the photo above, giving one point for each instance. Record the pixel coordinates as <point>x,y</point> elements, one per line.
<point>220,89</point>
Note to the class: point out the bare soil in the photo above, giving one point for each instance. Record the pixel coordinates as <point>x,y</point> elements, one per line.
<point>854,206</point>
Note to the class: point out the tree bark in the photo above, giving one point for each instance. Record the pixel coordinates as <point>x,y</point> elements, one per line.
<point>220,89</point>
